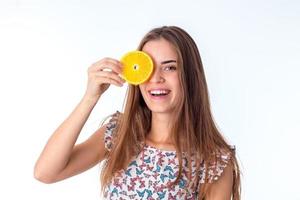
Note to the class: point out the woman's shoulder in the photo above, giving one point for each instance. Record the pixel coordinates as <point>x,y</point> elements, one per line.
<point>113,119</point>
<point>111,129</point>
<point>213,169</point>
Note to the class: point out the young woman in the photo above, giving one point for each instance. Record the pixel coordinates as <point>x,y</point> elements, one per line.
<point>165,145</point>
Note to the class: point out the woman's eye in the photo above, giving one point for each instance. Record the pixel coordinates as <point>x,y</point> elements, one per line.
<point>170,68</point>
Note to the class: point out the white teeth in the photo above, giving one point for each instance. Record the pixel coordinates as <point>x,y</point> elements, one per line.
<point>159,92</point>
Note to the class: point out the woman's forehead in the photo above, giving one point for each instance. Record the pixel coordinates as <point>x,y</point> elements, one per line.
<point>160,50</point>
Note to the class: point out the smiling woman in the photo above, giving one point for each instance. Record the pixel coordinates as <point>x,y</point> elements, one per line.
<point>165,145</point>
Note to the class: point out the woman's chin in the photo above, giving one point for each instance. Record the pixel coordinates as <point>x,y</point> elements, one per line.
<point>160,109</point>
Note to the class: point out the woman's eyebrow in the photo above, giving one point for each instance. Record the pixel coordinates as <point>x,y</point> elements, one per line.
<point>168,61</point>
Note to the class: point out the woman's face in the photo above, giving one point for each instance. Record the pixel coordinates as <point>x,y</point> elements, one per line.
<point>161,91</point>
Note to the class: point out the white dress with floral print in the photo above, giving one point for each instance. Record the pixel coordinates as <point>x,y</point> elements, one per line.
<point>147,176</point>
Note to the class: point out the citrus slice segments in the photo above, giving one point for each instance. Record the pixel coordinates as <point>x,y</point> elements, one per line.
<point>137,67</point>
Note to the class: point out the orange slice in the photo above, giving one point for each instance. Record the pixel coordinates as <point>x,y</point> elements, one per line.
<point>137,67</point>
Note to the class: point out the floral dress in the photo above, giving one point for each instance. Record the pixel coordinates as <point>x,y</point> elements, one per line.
<point>149,173</point>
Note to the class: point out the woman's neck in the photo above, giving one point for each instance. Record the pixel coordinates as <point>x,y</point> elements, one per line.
<point>160,128</point>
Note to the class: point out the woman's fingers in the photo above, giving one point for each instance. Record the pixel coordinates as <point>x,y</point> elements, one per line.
<point>110,75</point>
<point>109,64</point>
<point>103,73</point>
<point>103,79</point>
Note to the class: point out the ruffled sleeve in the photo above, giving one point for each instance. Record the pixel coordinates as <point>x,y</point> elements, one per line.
<point>110,130</point>
<point>215,169</point>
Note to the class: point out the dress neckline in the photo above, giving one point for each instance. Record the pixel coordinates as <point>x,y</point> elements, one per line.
<point>148,146</point>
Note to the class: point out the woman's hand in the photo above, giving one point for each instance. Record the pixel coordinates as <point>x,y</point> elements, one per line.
<point>101,74</point>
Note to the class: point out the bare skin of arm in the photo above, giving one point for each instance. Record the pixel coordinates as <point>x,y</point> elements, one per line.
<point>221,189</point>
<point>61,158</point>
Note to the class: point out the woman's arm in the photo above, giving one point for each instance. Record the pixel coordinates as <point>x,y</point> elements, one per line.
<point>222,188</point>
<point>59,158</point>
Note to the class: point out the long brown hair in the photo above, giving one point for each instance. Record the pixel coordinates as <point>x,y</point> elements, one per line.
<point>194,130</point>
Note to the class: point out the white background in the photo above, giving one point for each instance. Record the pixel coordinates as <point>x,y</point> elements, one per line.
<point>250,51</point>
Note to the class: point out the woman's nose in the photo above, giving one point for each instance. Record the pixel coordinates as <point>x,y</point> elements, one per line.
<point>156,76</point>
